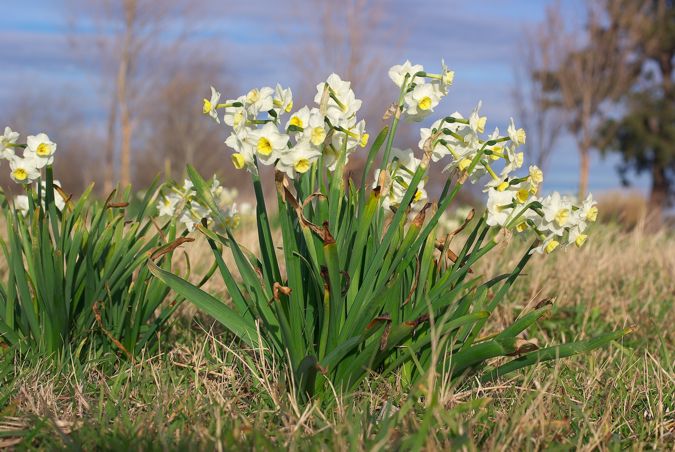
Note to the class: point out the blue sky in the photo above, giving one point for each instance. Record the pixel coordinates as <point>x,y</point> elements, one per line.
<point>478,39</point>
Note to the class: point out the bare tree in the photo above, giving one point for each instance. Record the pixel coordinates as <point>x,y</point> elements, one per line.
<point>134,39</point>
<point>543,121</point>
<point>592,70</point>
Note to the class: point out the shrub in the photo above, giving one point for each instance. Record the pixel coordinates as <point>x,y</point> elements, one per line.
<point>363,285</point>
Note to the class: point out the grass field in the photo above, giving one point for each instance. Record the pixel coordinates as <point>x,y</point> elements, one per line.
<point>199,392</point>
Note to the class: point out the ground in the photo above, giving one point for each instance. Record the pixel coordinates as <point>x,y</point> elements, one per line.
<point>198,391</point>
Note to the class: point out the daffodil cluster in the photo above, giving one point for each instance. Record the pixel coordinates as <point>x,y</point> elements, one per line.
<point>421,91</point>
<point>512,200</point>
<point>258,135</point>
<point>38,152</point>
<point>181,202</point>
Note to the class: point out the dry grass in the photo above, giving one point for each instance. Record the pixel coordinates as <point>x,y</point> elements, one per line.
<point>203,392</point>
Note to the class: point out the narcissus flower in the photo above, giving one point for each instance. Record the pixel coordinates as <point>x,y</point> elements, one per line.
<point>211,105</point>
<point>283,100</point>
<point>517,136</point>
<point>268,143</point>
<point>398,72</point>
<point>21,204</point>
<point>299,120</point>
<point>298,159</point>
<point>400,171</point>
<point>41,147</point>
<point>421,101</point>
<point>7,143</point>
<point>24,170</point>
<point>341,104</point>
<point>259,100</point>
<point>477,122</point>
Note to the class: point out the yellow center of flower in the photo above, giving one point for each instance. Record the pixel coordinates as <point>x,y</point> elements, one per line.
<point>496,151</point>
<point>537,176</point>
<point>238,160</point>
<point>43,150</point>
<point>522,195</point>
<point>521,226</point>
<point>481,124</point>
<point>553,244</point>
<point>296,121</point>
<point>424,103</point>
<point>521,136</point>
<point>264,146</point>
<point>464,164</point>
<point>503,186</point>
<point>253,96</point>
<point>207,106</point>
<point>318,135</point>
<point>289,107</point>
<point>20,174</point>
<point>364,140</point>
<point>581,238</point>
<point>519,159</point>
<point>562,216</point>
<point>302,165</point>
<point>592,214</point>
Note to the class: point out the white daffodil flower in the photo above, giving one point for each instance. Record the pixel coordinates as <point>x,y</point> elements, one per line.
<point>211,105</point>
<point>477,122</point>
<point>500,206</point>
<point>41,147</point>
<point>342,103</point>
<point>421,101</point>
<point>299,119</point>
<point>283,100</point>
<point>21,204</point>
<point>400,172</point>
<point>7,142</point>
<point>244,155</point>
<point>398,72</point>
<point>577,236</point>
<point>235,116</point>
<point>447,77</point>
<point>193,214</point>
<point>316,130</point>
<point>356,137</point>
<point>547,246</point>
<point>557,211</point>
<point>166,206</point>
<point>24,170</point>
<point>298,159</point>
<point>59,201</point>
<point>259,100</point>
<point>268,143</point>
<point>441,150</point>
<point>517,136</point>
<point>536,175</point>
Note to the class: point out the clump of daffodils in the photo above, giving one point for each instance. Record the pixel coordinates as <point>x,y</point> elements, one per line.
<point>259,135</point>
<point>180,201</point>
<point>37,153</point>
<point>512,200</point>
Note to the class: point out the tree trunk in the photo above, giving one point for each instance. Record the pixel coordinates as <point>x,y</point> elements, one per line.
<point>658,195</point>
<point>585,163</point>
<point>109,170</point>
<point>123,95</point>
